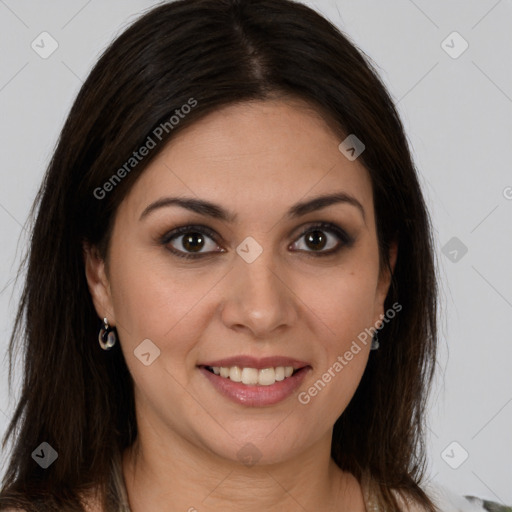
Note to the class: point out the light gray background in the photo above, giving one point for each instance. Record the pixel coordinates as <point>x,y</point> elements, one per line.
<point>458,117</point>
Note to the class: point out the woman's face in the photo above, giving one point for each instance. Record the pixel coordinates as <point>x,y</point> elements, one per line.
<point>268,284</point>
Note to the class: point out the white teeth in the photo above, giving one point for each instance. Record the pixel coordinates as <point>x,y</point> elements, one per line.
<point>250,376</point>
<point>235,374</point>
<point>279,373</point>
<point>253,376</point>
<point>266,376</point>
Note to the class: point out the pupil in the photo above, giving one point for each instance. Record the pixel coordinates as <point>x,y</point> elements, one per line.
<point>314,238</point>
<point>193,241</point>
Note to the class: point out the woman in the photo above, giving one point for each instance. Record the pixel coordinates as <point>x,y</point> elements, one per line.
<point>230,299</point>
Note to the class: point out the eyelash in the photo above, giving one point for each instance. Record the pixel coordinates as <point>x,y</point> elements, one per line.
<point>345,239</point>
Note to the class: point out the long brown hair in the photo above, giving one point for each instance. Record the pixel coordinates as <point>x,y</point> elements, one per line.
<point>80,399</point>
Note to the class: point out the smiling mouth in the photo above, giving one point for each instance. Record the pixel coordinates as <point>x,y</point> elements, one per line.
<point>253,376</point>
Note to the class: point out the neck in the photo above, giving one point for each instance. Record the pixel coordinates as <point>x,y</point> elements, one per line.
<point>180,476</point>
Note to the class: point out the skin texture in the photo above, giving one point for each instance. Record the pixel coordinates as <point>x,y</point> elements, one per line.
<point>257,160</point>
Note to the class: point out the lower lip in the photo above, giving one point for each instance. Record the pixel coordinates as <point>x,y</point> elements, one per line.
<point>256,396</point>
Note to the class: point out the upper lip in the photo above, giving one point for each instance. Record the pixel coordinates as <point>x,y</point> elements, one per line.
<point>258,363</point>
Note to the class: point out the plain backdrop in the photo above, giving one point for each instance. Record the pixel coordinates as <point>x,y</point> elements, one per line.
<point>456,105</point>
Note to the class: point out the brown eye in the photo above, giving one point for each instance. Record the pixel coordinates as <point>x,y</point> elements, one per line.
<point>193,242</point>
<point>323,239</point>
<point>316,240</point>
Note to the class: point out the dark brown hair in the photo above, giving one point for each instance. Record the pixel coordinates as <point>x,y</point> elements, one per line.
<point>80,399</point>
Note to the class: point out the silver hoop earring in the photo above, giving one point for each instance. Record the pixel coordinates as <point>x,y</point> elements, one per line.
<point>107,336</point>
<point>375,341</point>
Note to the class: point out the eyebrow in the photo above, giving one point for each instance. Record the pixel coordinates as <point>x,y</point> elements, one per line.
<point>210,209</point>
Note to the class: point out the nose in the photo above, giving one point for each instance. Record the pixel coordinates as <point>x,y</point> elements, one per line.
<point>258,299</point>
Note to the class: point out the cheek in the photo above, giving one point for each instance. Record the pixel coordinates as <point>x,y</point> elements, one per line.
<point>342,301</point>
<point>155,301</point>
<point>342,298</point>
<point>346,307</point>
<point>152,304</point>
<point>151,298</point>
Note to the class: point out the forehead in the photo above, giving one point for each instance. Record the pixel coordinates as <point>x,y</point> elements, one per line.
<point>253,157</point>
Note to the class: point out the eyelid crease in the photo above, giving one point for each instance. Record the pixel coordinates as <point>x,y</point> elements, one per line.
<point>345,239</point>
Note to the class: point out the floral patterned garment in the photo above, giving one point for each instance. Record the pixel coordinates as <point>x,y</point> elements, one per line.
<point>443,498</point>
<point>449,501</point>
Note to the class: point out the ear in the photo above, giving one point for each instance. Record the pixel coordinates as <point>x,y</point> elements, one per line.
<point>99,285</point>
<point>385,282</point>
